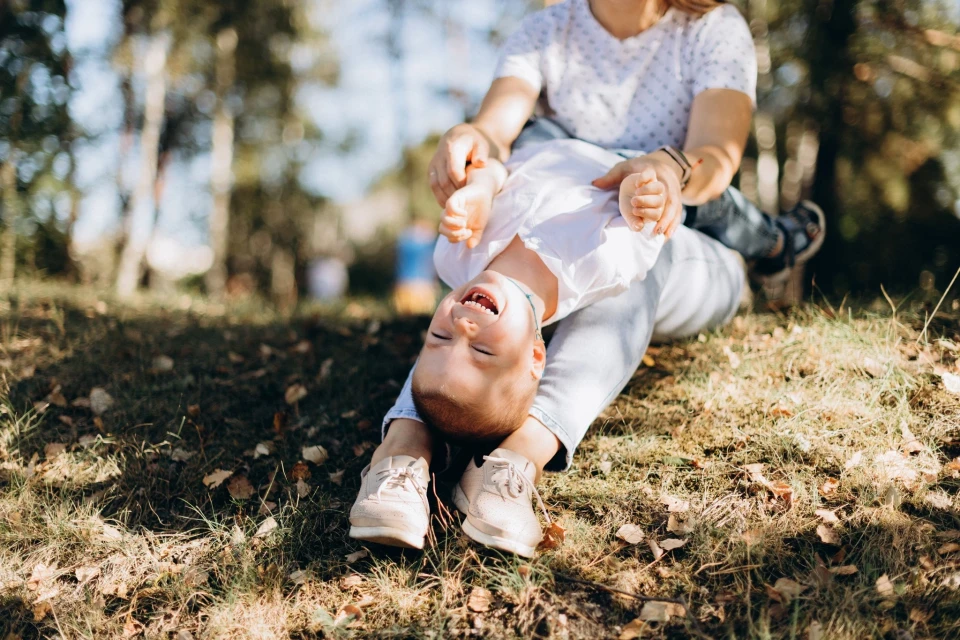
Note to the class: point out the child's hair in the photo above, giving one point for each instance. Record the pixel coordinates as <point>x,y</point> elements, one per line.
<point>462,420</point>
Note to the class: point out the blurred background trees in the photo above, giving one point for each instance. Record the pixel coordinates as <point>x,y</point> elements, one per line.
<point>230,146</point>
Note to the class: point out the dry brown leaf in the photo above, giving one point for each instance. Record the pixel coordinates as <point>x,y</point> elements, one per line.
<point>675,505</point>
<point>300,471</point>
<point>633,629</point>
<point>337,477</point>
<point>100,401</point>
<point>855,461</point>
<point>672,543</point>
<point>240,488</point>
<point>732,357</point>
<point>655,548</point>
<point>266,528</point>
<point>683,527</point>
<point>41,573</point>
<point>873,368</point>
<point>351,581</point>
<point>215,479</point>
<point>786,589</point>
<point>752,536</point>
<point>85,574</point>
<point>655,612</point>
<point>303,489</point>
<point>357,555</point>
<point>910,443</point>
<point>815,631</point>
<point>884,586</point>
<point>829,486</point>
<point>844,570</point>
<point>479,600</point>
<point>950,547</point>
<point>828,516</point>
<point>630,533</point>
<point>41,611</point>
<point>315,454</point>
<point>57,399</point>
<point>53,449</point>
<point>648,360</point>
<point>163,364</point>
<point>951,382</point>
<point>828,535</point>
<point>193,410</point>
<point>295,393</point>
<point>181,455</point>
<point>552,537</point>
<point>348,615</point>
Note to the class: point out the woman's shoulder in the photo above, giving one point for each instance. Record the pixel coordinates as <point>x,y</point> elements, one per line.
<point>549,17</point>
<point>726,16</point>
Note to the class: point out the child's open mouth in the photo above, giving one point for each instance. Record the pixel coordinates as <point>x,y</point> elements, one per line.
<point>476,299</point>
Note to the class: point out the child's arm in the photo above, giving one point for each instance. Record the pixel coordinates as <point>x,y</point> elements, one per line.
<point>505,109</point>
<point>468,209</point>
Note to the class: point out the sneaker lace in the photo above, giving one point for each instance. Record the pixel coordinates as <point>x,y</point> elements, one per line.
<point>516,482</point>
<point>397,478</point>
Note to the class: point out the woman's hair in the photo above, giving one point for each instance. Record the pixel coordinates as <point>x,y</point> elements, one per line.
<point>694,7</point>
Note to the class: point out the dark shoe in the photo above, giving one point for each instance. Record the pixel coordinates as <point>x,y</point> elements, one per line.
<point>804,228</point>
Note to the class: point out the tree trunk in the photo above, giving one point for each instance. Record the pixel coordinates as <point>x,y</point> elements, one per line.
<point>11,212</point>
<point>221,158</point>
<point>142,205</point>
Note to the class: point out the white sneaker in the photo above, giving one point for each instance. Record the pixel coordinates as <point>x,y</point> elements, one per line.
<point>497,500</point>
<point>392,506</point>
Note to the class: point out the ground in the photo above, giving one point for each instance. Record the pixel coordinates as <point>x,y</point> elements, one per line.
<point>160,477</point>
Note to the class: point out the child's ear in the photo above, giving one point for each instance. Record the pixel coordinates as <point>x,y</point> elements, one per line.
<point>539,359</point>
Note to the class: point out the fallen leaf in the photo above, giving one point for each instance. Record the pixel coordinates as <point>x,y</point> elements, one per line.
<point>56,398</point>
<point>920,616</point>
<point>163,363</point>
<point>829,486</point>
<point>855,461</point>
<point>844,570</point>
<point>683,527</point>
<point>181,455</point>
<point>53,449</point>
<point>357,555</point>
<point>648,360</point>
<point>552,537</point>
<point>752,536</point>
<point>337,477</point>
<point>300,471</point>
<point>362,448</point>
<point>110,533</point>
<point>828,535</point>
<point>654,612</point>
<point>41,573</point>
<point>303,489</point>
<point>675,505</point>
<point>655,548</point>
<point>266,527</point>
<point>193,410</point>
<point>939,500</point>
<point>86,574</point>
<point>884,586</point>
<point>302,347</point>
<point>951,382</point>
<point>787,590</point>
<point>827,516</point>
<point>353,580</point>
<point>910,443</point>
<point>315,454</point>
<point>132,628</point>
<point>262,449</point>
<point>347,615</point>
<point>671,543</point>
<point>295,393</point>
<point>266,508</point>
<point>41,611</point>
<point>240,488</point>
<point>215,479</point>
<point>479,600</point>
<point>950,547</point>
<point>873,368</point>
<point>894,465</point>
<point>633,629</point>
<point>100,401</point>
<point>630,533</point>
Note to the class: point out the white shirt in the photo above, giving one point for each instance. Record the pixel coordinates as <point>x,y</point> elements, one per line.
<point>575,228</point>
<point>634,93</point>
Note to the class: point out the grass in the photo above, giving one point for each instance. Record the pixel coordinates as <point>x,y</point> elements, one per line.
<point>108,530</point>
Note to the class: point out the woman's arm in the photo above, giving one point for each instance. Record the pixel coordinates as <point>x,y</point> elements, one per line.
<point>505,109</point>
<point>717,134</point>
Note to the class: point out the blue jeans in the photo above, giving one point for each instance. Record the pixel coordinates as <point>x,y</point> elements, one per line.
<point>695,286</point>
<point>732,219</point>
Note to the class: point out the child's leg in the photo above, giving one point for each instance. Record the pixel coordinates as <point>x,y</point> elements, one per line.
<point>405,438</point>
<point>468,209</point>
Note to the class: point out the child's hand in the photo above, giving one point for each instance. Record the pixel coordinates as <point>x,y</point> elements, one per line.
<point>466,214</point>
<point>642,198</point>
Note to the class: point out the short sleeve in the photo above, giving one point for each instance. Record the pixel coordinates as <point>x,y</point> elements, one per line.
<point>521,53</point>
<point>724,56</point>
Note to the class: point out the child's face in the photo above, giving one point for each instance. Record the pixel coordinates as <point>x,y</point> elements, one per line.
<point>481,342</point>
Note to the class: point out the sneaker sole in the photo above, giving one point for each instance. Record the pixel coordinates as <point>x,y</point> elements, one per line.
<point>388,536</point>
<point>475,534</point>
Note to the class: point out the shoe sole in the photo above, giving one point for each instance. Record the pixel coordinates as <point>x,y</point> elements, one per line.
<point>475,534</point>
<point>388,536</point>
<point>774,283</point>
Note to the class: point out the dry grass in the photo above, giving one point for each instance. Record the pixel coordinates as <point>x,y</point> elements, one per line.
<point>115,534</point>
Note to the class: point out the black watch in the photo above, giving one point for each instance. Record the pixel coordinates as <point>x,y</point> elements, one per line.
<point>686,168</point>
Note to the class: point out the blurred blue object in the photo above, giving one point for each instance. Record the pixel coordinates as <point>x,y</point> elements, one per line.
<point>416,279</point>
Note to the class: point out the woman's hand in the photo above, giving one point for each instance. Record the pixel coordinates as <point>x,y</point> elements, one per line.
<point>651,191</point>
<point>448,169</point>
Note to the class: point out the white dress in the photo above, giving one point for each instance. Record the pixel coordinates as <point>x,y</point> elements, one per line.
<point>575,228</point>
<point>634,93</point>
